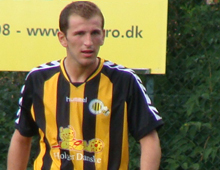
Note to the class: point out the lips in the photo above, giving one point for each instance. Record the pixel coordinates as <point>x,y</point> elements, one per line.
<point>87,53</point>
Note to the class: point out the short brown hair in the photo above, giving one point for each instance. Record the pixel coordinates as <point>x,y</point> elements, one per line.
<point>84,9</point>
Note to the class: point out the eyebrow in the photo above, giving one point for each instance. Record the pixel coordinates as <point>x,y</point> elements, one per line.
<point>82,31</point>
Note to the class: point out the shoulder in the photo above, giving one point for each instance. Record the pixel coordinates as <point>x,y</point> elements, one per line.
<point>120,71</point>
<point>44,69</point>
<point>113,67</point>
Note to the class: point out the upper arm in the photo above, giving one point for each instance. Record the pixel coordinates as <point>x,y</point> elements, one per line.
<point>24,120</point>
<point>17,137</point>
<point>19,151</point>
<point>150,145</point>
<point>152,139</point>
<point>143,117</point>
<point>150,151</point>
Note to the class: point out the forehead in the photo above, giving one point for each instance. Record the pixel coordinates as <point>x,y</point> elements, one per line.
<point>76,21</point>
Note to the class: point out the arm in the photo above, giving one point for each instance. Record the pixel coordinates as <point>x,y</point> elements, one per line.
<point>19,151</point>
<point>150,151</point>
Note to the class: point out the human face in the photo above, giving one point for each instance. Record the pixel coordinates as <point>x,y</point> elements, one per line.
<point>83,40</point>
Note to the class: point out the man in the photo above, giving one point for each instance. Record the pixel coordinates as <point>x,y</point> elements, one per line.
<point>83,106</point>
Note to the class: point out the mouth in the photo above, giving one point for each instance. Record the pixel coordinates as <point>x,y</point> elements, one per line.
<point>87,53</point>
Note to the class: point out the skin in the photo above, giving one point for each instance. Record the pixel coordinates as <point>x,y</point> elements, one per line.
<point>19,152</point>
<point>150,152</point>
<point>82,42</point>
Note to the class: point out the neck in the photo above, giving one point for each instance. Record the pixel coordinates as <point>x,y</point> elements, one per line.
<point>78,73</point>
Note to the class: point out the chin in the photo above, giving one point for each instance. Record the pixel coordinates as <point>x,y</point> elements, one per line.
<point>88,62</point>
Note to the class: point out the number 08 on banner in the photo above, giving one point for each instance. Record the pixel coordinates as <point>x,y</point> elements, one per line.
<point>135,33</point>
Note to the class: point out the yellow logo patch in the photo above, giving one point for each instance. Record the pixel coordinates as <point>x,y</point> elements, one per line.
<point>69,142</point>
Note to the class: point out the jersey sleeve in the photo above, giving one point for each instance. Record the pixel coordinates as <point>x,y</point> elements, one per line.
<point>143,117</point>
<point>24,122</point>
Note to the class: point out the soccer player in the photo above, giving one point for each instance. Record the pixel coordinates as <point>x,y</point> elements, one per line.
<point>83,106</point>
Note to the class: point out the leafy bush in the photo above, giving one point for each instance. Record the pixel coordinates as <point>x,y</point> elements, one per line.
<point>188,95</point>
<point>10,85</point>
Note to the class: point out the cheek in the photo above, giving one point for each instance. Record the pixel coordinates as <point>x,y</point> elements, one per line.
<point>73,43</point>
<point>99,41</point>
<point>102,40</point>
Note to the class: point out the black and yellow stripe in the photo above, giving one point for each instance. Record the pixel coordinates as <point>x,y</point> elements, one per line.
<point>57,104</point>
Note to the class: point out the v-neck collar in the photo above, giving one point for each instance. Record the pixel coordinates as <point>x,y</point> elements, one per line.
<point>97,70</point>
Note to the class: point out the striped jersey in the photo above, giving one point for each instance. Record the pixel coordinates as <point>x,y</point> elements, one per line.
<point>84,127</point>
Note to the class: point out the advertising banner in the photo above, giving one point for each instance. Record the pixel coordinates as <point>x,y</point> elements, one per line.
<point>135,33</point>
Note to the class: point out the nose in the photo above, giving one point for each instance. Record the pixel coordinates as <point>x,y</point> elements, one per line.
<point>88,40</point>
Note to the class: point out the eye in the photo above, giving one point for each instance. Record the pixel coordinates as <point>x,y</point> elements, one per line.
<point>79,33</point>
<point>96,32</point>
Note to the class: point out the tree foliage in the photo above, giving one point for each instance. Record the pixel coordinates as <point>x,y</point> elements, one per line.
<point>10,85</point>
<point>188,94</point>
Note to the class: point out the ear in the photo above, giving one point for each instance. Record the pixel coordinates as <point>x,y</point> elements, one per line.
<point>70,127</point>
<point>61,129</point>
<point>62,38</point>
